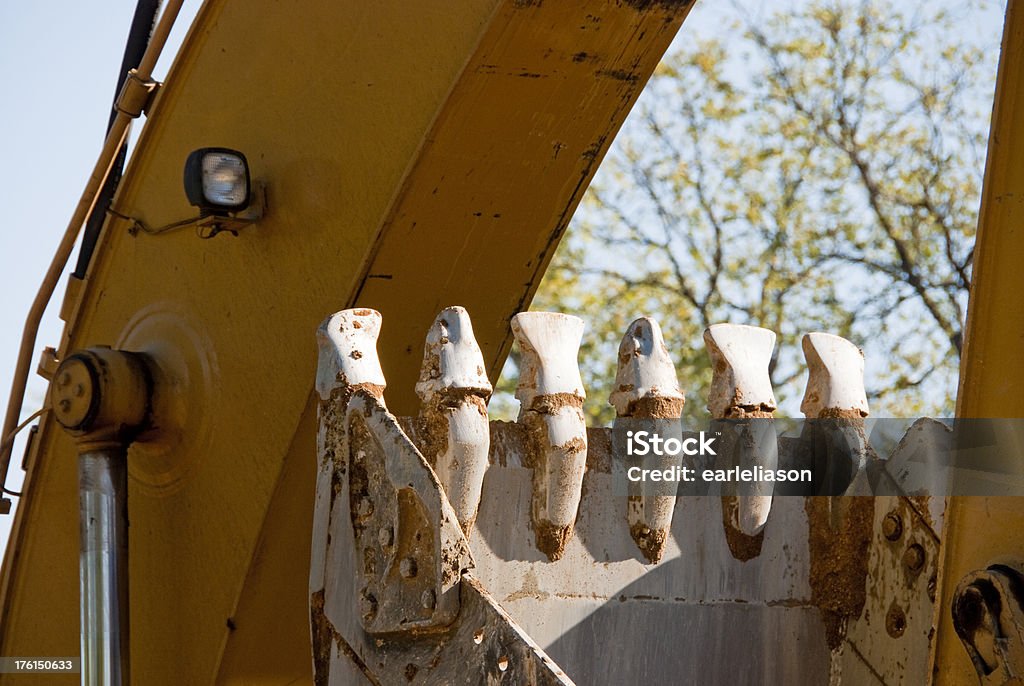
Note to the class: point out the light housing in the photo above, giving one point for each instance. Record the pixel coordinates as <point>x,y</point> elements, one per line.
<point>217,180</point>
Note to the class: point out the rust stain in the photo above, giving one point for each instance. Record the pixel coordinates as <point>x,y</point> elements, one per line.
<point>656,408</point>
<point>839,535</point>
<point>836,413</point>
<point>737,411</point>
<point>670,5</point>
<point>431,434</point>
<point>919,504</point>
<point>553,402</point>
<point>599,450</point>
<point>552,539</point>
<point>650,541</point>
<point>618,75</point>
<point>742,546</point>
<point>508,439</point>
<point>324,637</point>
<point>529,589</point>
<point>573,446</point>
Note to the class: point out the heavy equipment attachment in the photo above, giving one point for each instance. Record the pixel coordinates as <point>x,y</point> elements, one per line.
<point>540,569</point>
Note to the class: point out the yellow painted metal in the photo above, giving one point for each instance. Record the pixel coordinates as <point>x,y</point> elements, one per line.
<point>416,155</point>
<point>563,78</point>
<point>269,641</point>
<point>981,531</point>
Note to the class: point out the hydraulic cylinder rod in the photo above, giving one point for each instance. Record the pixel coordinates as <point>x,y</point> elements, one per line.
<point>101,397</point>
<point>103,565</point>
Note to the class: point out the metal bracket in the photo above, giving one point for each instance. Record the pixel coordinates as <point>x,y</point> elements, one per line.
<point>136,95</point>
<point>210,225</point>
<point>410,548</point>
<point>421,613</point>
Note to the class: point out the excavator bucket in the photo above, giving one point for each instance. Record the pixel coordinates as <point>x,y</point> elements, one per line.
<point>449,549</point>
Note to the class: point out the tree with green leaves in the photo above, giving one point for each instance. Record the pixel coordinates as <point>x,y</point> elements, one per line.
<point>818,171</point>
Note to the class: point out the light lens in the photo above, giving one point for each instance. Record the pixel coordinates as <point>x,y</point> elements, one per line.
<point>225,181</point>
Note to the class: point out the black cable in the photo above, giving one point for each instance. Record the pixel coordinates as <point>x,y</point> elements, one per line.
<point>143,21</point>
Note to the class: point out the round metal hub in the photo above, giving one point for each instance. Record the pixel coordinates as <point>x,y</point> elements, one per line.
<point>74,394</point>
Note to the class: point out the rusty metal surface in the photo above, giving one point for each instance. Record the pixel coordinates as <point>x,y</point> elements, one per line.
<point>454,388</point>
<point>893,636</point>
<point>398,601</point>
<point>846,582</point>
<point>410,549</point>
<point>607,616</point>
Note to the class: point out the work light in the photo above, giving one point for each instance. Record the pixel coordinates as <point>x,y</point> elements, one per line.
<point>217,180</point>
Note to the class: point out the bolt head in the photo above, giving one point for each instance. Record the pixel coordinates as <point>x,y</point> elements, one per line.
<point>428,599</point>
<point>896,621</point>
<point>914,557</point>
<point>386,536</point>
<point>892,526</point>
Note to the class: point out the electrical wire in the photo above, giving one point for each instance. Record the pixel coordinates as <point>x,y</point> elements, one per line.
<point>11,436</point>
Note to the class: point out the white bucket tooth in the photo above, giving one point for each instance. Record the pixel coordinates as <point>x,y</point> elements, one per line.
<point>748,444</point>
<point>752,513</point>
<point>451,357</point>
<point>645,373</point>
<point>835,383</point>
<point>741,389</point>
<point>454,431</point>
<point>835,403</point>
<point>551,394</point>
<point>347,362</point>
<point>348,353</point>
<point>550,343</point>
<point>647,394</point>
<point>740,357</point>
